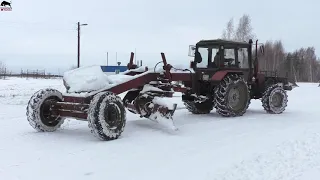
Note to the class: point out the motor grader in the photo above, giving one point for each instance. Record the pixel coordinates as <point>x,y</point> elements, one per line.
<point>223,75</point>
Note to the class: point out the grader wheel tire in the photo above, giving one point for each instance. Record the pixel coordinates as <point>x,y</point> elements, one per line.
<point>38,110</point>
<point>274,99</point>
<point>232,96</point>
<point>106,116</point>
<point>199,108</point>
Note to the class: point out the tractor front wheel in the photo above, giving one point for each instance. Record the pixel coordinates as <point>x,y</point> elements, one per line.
<point>274,99</point>
<point>232,96</point>
<point>106,116</point>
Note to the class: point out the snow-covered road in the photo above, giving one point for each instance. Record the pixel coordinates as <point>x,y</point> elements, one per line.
<point>257,146</point>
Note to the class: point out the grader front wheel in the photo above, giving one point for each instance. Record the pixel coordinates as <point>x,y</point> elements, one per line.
<point>39,112</point>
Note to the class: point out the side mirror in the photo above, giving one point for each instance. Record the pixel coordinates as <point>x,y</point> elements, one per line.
<point>192,50</point>
<point>262,49</point>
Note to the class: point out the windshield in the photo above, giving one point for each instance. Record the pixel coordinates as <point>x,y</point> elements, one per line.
<point>243,58</point>
<point>204,52</point>
<point>232,57</point>
<point>204,55</point>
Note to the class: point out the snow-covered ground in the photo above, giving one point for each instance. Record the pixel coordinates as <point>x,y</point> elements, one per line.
<point>257,146</point>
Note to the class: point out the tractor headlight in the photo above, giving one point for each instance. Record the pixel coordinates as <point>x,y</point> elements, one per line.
<point>205,77</point>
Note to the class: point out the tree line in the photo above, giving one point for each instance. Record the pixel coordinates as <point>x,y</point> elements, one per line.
<point>301,65</point>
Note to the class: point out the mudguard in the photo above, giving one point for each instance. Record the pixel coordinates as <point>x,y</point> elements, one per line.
<point>219,75</point>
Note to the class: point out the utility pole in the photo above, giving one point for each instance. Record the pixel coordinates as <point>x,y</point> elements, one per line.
<point>79,41</point>
<point>107,58</point>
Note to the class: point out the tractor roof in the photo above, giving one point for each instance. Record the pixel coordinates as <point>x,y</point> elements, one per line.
<point>226,43</point>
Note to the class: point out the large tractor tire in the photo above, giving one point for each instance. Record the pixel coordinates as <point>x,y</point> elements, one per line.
<point>274,99</point>
<point>39,110</point>
<point>232,96</point>
<point>106,116</point>
<point>199,108</point>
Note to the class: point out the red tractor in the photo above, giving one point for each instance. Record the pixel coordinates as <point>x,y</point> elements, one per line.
<point>226,77</point>
<point>223,76</point>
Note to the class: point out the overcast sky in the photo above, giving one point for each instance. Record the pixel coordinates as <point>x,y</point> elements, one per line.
<point>42,34</point>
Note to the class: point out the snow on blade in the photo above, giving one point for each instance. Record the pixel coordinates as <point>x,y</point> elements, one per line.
<point>168,123</point>
<point>164,101</point>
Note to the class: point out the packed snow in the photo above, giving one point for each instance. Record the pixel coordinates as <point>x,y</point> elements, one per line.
<point>256,146</point>
<point>91,78</point>
<point>88,80</point>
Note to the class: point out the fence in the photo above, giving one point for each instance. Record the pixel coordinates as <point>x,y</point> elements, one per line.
<point>28,74</point>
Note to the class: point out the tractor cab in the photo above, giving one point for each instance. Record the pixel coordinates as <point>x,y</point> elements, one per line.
<point>221,54</point>
<point>212,56</point>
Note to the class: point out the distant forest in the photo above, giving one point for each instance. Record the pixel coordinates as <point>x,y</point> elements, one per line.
<point>301,65</point>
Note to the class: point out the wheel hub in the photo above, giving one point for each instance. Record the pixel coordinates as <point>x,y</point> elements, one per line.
<point>277,99</point>
<point>46,113</point>
<point>112,116</point>
<point>234,97</point>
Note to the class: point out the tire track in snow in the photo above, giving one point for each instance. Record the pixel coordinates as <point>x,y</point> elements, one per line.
<point>288,161</point>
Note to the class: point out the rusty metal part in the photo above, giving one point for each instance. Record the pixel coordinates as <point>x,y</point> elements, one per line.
<point>145,106</point>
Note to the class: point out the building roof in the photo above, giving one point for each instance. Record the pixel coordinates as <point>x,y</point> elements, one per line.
<point>114,68</point>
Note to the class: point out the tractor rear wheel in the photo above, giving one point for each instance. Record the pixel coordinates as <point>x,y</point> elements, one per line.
<point>232,96</point>
<point>199,108</point>
<point>274,99</point>
<point>106,116</point>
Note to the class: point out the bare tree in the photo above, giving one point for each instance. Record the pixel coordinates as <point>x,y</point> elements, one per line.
<point>228,33</point>
<point>301,65</point>
<point>2,70</point>
<point>244,30</point>
<point>2,67</point>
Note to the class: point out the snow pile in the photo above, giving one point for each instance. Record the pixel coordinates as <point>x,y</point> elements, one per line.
<point>84,79</point>
<point>92,78</point>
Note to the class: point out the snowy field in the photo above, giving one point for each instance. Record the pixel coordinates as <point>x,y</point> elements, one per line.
<point>256,146</point>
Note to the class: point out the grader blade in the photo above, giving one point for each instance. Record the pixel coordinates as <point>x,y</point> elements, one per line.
<point>163,115</point>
